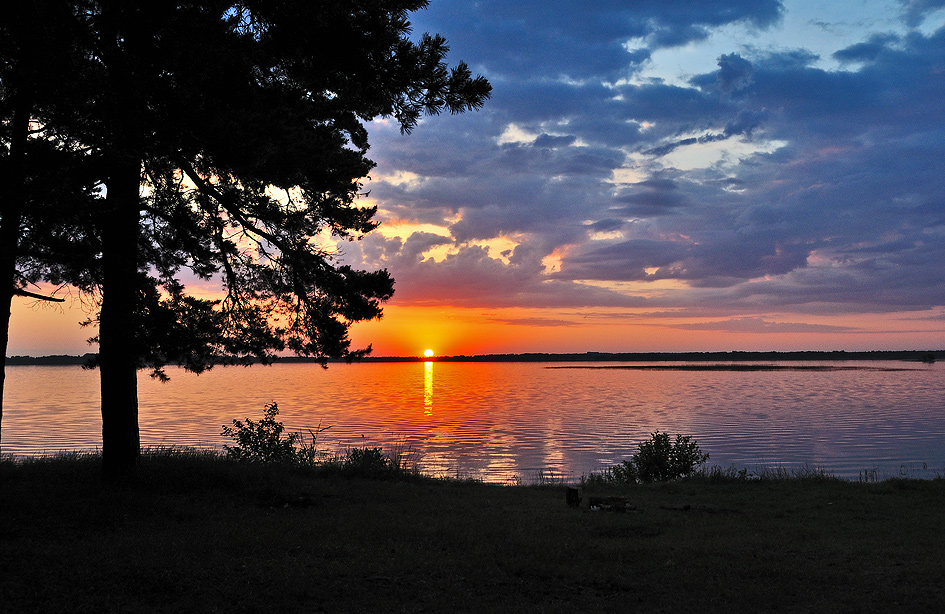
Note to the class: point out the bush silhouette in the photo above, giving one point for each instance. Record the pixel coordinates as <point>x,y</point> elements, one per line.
<point>263,441</point>
<point>659,460</point>
<point>368,463</point>
<point>656,460</point>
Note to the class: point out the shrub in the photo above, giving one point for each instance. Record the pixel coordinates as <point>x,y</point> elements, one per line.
<point>375,464</point>
<point>656,460</point>
<point>367,462</point>
<point>263,441</point>
<point>266,441</point>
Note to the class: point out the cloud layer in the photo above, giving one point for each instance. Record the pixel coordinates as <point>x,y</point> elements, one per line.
<point>772,181</point>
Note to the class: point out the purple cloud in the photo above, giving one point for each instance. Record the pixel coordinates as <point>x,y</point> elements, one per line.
<point>827,198</point>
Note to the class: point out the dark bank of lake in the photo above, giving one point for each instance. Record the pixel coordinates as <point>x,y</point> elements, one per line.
<point>195,533</point>
<point>503,421</point>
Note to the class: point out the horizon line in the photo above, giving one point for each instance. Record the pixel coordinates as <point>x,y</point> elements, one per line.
<point>927,354</point>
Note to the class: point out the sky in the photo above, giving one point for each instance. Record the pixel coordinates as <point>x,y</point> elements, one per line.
<point>658,175</point>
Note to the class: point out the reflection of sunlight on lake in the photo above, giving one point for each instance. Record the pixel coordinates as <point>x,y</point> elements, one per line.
<point>428,388</point>
<point>496,420</point>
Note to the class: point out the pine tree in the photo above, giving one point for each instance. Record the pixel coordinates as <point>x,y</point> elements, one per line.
<point>231,136</point>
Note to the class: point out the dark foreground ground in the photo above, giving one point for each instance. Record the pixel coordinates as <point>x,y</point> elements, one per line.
<point>208,535</point>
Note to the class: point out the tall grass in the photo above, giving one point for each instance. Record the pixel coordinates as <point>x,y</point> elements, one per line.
<point>266,442</point>
<point>608,477</point>
<point>776,473</point>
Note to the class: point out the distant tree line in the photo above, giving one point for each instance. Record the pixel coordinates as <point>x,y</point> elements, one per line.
<point>914,355</point>
<point>903,355</point>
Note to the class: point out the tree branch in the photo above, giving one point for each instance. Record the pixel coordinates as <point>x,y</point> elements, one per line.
<point>52,299</point>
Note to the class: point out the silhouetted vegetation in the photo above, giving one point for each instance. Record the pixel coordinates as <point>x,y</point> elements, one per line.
<point>222,140</point>
<point>656,460</point>
<point>372,463</point>
<point>198,531</point>
<point>266,441</point>
<point>263,441</point>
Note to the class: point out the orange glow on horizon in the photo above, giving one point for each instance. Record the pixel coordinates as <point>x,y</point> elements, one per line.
<point>473,331</point>
<point>39,329</point>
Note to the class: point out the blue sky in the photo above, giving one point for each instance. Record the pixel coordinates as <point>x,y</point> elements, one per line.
<point>748,165</point>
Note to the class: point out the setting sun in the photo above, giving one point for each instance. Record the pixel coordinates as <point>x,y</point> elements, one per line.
<point>428,353</point>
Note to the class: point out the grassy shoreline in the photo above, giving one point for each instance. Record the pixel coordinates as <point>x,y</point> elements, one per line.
<point>198,532</point>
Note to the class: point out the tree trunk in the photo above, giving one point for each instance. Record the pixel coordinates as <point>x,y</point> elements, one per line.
<point>117,356</point>
<point>11,213</point>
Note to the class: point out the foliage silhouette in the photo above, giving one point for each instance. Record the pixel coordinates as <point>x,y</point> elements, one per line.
<point>656,460</point>
<point>265,441</point>
<point>229,139</point>
<point>46,181</point>
<point>370,463</point>
<point>659,460</point>
<point>262,441</point>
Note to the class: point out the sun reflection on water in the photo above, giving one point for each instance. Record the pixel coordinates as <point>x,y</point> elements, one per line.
<point>495,420</point>
<point>428,388</point>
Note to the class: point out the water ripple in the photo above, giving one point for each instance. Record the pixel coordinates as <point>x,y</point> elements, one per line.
<point>498,420</point>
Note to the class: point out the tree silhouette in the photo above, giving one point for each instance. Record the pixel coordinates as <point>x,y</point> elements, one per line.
<point>231,138</point>
<point>47,181</point>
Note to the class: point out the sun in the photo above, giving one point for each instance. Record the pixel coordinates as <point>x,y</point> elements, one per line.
<point>428,353</point>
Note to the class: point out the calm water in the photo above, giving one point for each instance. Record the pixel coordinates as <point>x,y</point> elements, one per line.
<point>501,420</point>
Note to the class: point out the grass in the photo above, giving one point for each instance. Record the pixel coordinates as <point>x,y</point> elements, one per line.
<point>197,532</point>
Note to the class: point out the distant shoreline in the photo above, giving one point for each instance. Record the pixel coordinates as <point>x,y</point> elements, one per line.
<point>733,367</point>
<point>735,356</point>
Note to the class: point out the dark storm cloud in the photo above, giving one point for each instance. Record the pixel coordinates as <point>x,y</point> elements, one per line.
<point>866,51</point>
<point>914,12</point>
<point>649,198</point>
<point>841,206</point>
<point>548,100</point>
<point>607,225</point>
<point>725,262</point>
<point>745,122</point>
<point>625,261</point>
<point>682,107</point>
<point>528,39</point>
<point>734,72</point>
<point>553,142</point>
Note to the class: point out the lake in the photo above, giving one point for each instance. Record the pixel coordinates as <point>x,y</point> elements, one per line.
<point>506,421</point>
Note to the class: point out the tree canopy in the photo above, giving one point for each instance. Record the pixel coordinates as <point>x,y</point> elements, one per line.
<point>227,141</point>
